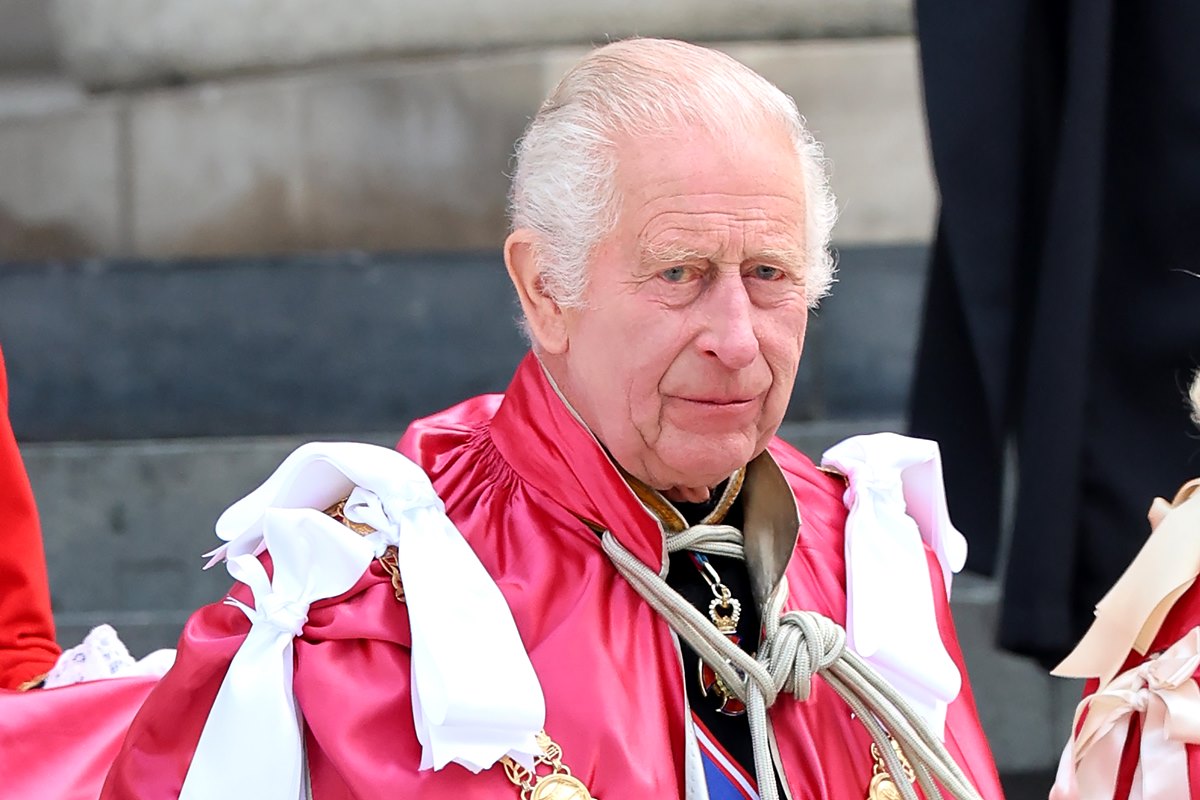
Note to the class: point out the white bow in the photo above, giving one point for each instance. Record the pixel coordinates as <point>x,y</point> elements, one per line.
<point>897,504</point>
<point>475,695</point>
<point>251,745</point>
<point>1164,692</point>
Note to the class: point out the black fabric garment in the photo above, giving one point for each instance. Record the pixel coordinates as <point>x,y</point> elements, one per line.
<point>1061,314</point>
<point>684,577</point>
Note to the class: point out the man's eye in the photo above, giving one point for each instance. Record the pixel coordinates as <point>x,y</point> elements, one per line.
<point>674,274</point>
<point>767,273</point>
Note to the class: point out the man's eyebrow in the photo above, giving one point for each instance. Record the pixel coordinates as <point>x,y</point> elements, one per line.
<point>672,252</point>
<point>782,256</point>
<point>785,257</point>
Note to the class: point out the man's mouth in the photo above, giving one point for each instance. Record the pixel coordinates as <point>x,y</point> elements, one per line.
<point>720,403</point>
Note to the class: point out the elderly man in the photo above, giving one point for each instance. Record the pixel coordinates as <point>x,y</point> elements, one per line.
<point>670,227</point>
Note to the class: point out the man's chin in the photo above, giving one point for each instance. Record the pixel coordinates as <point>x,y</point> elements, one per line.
<point>708,466</point>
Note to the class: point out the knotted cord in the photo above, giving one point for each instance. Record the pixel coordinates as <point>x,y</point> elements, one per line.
<point>796,645</point>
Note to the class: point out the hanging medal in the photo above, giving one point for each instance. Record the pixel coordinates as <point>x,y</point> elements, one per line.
<point>725,611</point>
<point>883,785</point>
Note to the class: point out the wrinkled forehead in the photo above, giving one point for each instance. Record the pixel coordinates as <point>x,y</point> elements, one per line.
<point>698,179</point>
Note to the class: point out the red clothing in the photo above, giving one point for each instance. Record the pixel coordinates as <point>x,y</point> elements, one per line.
<point>518,474</point>
<point>1182,617</point>
<point>27,646</point>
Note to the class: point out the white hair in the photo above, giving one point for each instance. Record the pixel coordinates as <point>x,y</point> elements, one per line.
<point>1194,399</point>
<point>563,184</point>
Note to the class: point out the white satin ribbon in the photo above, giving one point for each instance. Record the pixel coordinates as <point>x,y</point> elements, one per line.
<point>897,504</point>
<point>475,695</point>
<point>251,744</point>
<point>1165,693</point>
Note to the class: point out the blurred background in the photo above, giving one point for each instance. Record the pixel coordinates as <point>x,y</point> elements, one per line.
<point>230,226</point>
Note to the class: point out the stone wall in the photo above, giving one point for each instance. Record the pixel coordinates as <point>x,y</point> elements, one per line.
<point>398,155</point>
<point>121,42</point>
<point>26,37</point>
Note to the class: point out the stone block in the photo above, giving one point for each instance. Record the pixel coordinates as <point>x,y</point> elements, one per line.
<point>1014,695</point>
<point>349,341</point>
<point>415,156</point>
<point>125,524</point>
<point>400,155</point>
<point>39,95</point>
<point>216,169</point>
<point>864,335</point>
<point>124,530</point>
<point>26,38</point>
<point>308,344</point>
<point>61,194</point>
<point>862,100</point>
<point>115,42</point>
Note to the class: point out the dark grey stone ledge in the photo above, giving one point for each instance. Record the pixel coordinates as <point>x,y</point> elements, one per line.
<point>128,349</point>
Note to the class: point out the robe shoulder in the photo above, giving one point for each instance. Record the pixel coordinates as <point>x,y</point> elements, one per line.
<point>430,437</point>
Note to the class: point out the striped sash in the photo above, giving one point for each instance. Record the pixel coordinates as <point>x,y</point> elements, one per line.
<point>727,780</point>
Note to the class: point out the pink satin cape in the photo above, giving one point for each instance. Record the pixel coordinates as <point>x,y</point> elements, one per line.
<point>518,473</point>
<point>57,744</point>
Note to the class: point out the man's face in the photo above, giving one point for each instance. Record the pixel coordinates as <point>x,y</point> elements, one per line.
<point>683,359</point>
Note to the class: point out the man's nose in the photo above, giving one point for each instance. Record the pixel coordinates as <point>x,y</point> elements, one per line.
<point>729,333</point>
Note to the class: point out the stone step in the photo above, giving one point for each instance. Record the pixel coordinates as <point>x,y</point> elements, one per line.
<point>401,154</point>
<point>125,524</point>
<point>116,42</point>
<point>38,95</point>
<point>27,42</point>
<point>310,344</point>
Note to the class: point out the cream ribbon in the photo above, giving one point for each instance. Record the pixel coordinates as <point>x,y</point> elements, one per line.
<point>1131,614</point>
<point>1165,693</point>
<point>897,505</point>
<point>475,695</point>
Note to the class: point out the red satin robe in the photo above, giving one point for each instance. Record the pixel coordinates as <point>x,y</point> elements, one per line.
<point>27,646</point>
<point>518,473</point>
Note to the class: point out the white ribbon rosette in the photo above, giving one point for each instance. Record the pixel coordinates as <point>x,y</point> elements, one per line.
<point>1162,690</point>
<point>252,744</point>
<point>897,504</point>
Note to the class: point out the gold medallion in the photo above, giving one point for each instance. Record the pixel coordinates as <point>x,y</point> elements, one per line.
<point>559,786</point>
<point>537,784</point>
<point>882,788</point>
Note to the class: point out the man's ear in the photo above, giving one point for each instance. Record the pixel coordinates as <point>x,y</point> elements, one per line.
<point>543,314</point>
